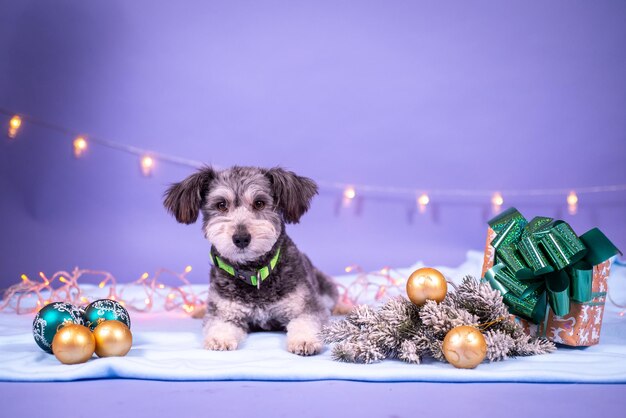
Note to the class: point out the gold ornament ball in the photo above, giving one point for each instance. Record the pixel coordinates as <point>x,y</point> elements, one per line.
<point>113,338</point>
<point>73,344</point>
<point>426,284</point>
<point>464,347</point>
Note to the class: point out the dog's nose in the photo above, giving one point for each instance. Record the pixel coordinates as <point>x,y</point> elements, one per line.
<point>242,239</point>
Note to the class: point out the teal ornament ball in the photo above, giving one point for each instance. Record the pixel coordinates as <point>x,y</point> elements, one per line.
<point>103,310</point>
<point>52,318</point>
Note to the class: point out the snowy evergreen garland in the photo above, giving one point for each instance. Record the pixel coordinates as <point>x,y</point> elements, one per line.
<point>399,329</point>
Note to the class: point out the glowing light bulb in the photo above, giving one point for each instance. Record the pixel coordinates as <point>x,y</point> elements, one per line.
<point>14,126</point>
<point>496,202</point>
<point>422,202</point>
<point>147,165</point>
<point>572,199</point>
<point>80,146</point>
<point>348,269</point>
<point>572,203</point>
<point>147,301</point>
<point>101,284</point>
<point>349,193</point>
<point>187,269</point>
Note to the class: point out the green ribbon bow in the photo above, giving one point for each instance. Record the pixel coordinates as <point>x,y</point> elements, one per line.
<point>544,261</point>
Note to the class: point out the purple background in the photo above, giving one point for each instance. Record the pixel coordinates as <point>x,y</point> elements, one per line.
<point>326,398</point>
<point>428,95</point>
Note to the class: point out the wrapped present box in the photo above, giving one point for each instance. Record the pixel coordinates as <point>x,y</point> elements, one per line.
<point>553,281</point>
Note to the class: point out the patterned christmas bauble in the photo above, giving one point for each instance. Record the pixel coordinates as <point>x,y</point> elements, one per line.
<point>104,310</point>
<point>426,284</point>
<point>464,347</point>
<point>73,344</point>
<point>50,319</point>
<point>113,338</point>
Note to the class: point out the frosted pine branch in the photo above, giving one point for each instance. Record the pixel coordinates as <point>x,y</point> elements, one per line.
<point>399,329</point>
<point>499,345</point>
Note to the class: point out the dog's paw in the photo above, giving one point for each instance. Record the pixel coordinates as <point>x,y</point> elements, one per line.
<point>220,344</point>
<point>304,346</point>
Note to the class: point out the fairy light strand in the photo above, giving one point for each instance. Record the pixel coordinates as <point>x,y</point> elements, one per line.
<point>365,288</point>
<point>68,289</point>
<point>64,286</point>
<point>350,191</point>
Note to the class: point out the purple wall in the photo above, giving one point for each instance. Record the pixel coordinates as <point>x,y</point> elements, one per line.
<point>413,94</point>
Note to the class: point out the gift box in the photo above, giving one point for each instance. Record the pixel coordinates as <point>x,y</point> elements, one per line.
<point>553,281</point>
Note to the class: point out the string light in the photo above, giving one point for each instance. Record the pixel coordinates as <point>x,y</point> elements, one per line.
<point>382,283</point>
<point>80,146</point>
<point>147,165</point>
<point>70,290</point>
<point>14,126</point>
<point>385,282</point>
<point>496,202</point>
<point>572,203</point>
<point>148,160</point>
<point>422,202</point>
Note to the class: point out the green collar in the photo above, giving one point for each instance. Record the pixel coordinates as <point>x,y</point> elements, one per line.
<point>251,277</point>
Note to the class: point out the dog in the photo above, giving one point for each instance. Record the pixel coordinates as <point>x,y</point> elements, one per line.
<point>259,279</point>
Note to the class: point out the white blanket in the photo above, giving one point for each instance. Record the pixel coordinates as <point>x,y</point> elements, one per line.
<point>168,346</point>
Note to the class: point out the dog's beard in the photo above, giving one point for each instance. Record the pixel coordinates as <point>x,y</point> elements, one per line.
<point>219,232</point>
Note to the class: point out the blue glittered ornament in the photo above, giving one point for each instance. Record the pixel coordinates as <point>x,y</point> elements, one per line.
<point>104,310</point>
<point>52,318</point>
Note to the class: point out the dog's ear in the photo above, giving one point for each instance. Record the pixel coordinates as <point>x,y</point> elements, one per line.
<point>184,199</point>
<point>293,193</point>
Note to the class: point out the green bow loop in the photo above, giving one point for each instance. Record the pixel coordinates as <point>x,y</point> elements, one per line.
<point>533,307</point>
<point>560,243</point>
<point>581,274</point>
<point>513,259</point>
<point>502,221</point>
<point>502,279</point>
<point>525,298</point>
<point>599,247</point>
<point>529,247</point>
<point>544,261</point>
<point>557,286</point>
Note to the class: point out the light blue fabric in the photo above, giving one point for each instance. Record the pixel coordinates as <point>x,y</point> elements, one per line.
<point>168,346</point>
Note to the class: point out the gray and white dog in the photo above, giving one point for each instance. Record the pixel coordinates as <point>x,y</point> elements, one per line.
<point>259,280</point>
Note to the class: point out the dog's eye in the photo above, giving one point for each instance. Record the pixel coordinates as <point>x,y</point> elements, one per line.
<point>222,207</point>
<point>259,204</point>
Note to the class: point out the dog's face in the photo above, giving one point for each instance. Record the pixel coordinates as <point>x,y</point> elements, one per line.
<point>243,208</point>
